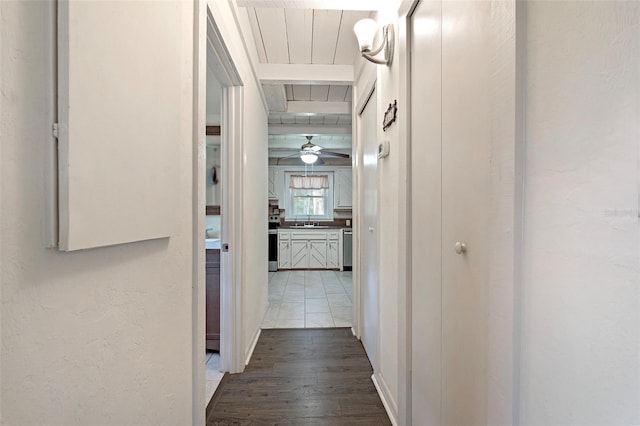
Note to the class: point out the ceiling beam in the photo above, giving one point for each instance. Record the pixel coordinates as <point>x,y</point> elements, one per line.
<point>318,107</point>
<point>370,5</point>
<point>276,97</point>
<point>308,129</point>
<point>305,74</point>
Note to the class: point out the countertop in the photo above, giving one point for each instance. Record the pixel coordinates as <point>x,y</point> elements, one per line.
<point>212,244</point>
<point>320,228</point>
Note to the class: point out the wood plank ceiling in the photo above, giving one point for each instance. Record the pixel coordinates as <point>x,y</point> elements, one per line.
<point>314,93</point>
<point>297,36</point>
<point>313,32</point>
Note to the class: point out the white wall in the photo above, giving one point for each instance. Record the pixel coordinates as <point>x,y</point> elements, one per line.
<point>213,226</point>
<point>387,79</point>
<point>581,316</point>
<point>578,360</point>
<point>253,174</point>
<point>388,218</point>
<point>101,336</point>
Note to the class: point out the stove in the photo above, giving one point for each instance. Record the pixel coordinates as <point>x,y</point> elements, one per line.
<point>274,224</point>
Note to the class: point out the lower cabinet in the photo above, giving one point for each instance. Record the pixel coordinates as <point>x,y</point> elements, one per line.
<point>317,253</point>
<point>309,250</point>
<point>284,250</point>
<point>299,254</point>
<point>284,254</point>
<point>213,300</point>
<point>333,254</point>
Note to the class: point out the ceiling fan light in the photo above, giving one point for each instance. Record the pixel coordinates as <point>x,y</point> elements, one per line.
<point>309,158</point>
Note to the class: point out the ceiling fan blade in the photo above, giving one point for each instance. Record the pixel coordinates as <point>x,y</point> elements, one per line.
<point>297,154</point>
<point>319,162</point>
<point>335,154</point>
<point>284,149</point>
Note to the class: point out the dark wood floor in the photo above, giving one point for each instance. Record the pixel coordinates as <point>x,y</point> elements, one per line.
<point>301,377</point>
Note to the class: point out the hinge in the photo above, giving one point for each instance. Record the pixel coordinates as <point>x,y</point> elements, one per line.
<point>54,130</point>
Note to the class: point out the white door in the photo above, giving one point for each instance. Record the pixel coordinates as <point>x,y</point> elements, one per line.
<point>451,124</point>
<point>466,138</point>
<point>368,231</point>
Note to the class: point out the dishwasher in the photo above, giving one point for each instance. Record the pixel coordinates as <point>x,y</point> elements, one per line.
<point>347,249</point>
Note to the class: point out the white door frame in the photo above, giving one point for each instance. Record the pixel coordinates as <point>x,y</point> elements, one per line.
<point>231,141</point>
<point>211,51</point>
<point>405,12</point>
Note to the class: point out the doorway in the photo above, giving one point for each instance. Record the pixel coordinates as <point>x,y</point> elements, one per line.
<point>214,188</point>
<point>214,63</point>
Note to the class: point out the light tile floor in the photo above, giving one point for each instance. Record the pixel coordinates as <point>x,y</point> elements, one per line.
<point>309,299</point>
<point>214,375</point>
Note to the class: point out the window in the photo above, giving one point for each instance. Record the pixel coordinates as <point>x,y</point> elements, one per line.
<point>309,197</point>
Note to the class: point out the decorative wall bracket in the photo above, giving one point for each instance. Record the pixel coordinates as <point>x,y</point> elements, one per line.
<point>390,115</point>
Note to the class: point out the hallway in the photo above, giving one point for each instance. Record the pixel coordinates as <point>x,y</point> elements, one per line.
<point>301,377</point>
<point>483,154</point>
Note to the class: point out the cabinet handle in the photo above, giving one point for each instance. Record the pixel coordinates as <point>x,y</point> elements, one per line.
<point>461,247</point>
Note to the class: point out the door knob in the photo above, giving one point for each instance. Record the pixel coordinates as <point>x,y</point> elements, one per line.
<point>461,247</point>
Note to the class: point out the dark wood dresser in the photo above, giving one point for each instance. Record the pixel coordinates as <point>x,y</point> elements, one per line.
<point>213,300</point>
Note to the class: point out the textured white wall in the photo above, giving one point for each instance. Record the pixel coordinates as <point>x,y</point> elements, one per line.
<point>580,324</point>
<point>254,174</point>
<point>503,236</point>
<point>388,218</point>
<point>95,337</point>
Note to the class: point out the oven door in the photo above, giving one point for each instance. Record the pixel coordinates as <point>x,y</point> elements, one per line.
<point>273,250</point>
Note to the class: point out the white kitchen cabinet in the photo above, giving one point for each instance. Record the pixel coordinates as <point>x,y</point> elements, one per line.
<point>334,250</point>
<point>284,250</point>
<point>299,254</point>
<point>276,185</point>
<point>333,254</point>
<point>273,190</point>
<point>317,253</point>
<point>309,249</point>
<point>343,189</point>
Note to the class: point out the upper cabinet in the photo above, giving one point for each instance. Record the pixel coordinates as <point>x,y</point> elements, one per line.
<point>273,189</point>
<point>343,189</point>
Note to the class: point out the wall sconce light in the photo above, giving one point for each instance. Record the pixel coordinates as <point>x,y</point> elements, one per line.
<point>365,30</point>
<point>309,157</point>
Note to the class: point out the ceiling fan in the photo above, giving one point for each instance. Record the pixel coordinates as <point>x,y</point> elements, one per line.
<point>310,153</point>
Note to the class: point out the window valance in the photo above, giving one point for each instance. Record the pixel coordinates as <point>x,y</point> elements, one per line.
<point>309,182</point>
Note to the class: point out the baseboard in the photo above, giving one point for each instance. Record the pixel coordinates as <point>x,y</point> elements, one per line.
<point>254,342</point>
<point>389,405</point>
